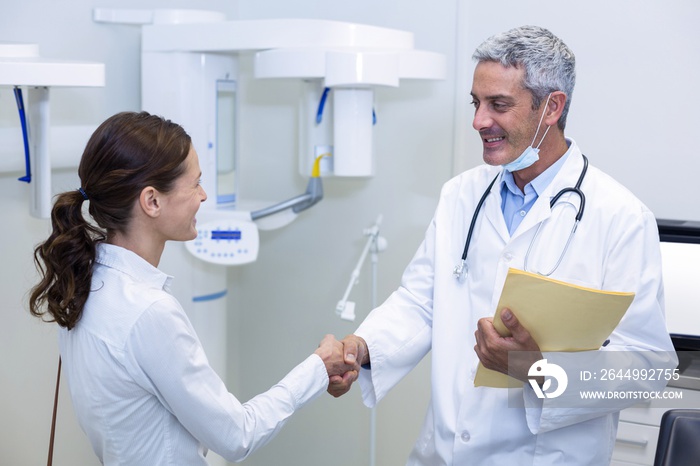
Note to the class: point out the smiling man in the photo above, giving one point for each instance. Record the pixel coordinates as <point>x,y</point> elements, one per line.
<point>509,122</point>
<point>533,184</point>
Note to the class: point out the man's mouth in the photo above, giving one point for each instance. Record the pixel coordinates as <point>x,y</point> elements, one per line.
<point>494,139</point>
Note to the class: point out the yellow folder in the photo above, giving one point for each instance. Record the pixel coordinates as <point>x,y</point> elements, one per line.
<point>559,316</point>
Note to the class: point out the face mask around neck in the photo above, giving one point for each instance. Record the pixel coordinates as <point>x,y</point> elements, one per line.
<point>531,154</point>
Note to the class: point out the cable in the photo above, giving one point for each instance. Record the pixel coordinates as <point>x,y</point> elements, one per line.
<point>27,178</point>
<point>321,104</point>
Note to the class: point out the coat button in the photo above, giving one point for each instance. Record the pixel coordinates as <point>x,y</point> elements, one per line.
<point>465,436</point>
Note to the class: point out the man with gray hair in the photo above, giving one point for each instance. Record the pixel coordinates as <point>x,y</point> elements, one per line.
<point>518,210</point>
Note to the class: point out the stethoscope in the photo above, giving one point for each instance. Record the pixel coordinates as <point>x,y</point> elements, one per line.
<point>460,270</point>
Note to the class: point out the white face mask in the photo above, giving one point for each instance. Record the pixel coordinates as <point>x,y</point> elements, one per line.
<point>531,154</point>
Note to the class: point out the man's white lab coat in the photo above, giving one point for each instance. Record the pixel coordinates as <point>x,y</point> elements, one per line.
<point>616,247</point>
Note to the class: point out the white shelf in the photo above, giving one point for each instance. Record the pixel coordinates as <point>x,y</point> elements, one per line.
<point>222,36</point>
<point>21,65</point>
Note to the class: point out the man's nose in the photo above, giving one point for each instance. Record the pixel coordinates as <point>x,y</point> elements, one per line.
<point>482,119</point>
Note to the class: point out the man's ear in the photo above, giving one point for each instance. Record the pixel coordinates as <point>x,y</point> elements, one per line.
<point>555,107</point>
<point>150,201</point>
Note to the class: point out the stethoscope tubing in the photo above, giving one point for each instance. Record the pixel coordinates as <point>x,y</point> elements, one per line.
<point>575,189</point>
<point>476,214</point>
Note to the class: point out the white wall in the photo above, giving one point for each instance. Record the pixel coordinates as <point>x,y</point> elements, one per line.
<point>633,114</point>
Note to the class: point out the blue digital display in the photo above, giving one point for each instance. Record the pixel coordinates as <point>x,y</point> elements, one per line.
<point>226,234</point>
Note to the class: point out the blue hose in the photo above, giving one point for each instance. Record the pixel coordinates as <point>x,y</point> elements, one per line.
<point>23,120</point>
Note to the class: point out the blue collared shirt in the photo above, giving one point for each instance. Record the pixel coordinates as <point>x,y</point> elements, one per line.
<point>515,204</point>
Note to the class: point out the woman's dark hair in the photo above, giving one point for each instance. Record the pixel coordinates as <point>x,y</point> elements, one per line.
<point>125,154</point>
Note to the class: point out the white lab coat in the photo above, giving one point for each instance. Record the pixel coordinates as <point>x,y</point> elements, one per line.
<point>616,247</point>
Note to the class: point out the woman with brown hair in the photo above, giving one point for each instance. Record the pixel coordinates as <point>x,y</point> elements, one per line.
<point>141,385</point>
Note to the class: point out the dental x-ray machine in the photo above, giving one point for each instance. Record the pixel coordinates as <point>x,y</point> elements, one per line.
<point>190,75</point>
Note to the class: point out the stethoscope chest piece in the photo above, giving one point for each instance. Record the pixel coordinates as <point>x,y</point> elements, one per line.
<point>460,270</point>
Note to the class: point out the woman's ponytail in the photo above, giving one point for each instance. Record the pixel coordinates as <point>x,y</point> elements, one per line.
<point>65,262</point>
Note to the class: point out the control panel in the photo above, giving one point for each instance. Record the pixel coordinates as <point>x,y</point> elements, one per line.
<point>226,241</point>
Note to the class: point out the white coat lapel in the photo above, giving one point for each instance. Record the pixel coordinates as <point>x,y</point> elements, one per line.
<point>494,214</point>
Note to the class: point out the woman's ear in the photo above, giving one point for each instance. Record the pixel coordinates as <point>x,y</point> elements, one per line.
<point>150,201</point>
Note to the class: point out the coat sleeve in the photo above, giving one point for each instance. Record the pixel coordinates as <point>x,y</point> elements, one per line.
<point>399,332</point>
<point>169,361</point>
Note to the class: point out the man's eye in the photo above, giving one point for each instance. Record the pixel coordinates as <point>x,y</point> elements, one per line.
<point>474,103</point>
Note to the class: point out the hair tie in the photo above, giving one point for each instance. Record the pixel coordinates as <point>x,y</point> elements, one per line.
<point>82,191</point>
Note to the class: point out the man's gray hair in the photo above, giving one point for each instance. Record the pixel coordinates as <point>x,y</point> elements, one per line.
<point>548,63</point>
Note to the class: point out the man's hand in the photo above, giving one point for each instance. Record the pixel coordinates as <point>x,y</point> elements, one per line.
<point>355,353</point>
<point>331,351</point>
<point>492,349</point>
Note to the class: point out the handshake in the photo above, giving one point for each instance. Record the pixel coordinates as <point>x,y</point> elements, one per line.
<point>343,360</point>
